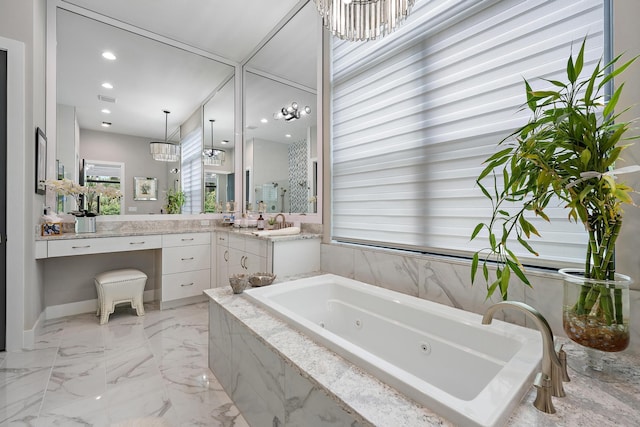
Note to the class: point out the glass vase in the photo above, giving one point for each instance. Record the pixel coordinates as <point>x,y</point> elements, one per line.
<point>595,313</point>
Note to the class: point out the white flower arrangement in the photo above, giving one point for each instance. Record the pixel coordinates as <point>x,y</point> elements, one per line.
<point>69,188</point>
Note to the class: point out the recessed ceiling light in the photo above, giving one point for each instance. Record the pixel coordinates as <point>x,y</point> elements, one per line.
<point>107,85</point>
<point>104,110</point>
<point>264,121</point>
<point>106,124</point>
<point>225,141</point>
<point>108,55</point>
<point>288,135</point>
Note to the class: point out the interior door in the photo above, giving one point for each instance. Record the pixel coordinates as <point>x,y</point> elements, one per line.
<point>3,198</point>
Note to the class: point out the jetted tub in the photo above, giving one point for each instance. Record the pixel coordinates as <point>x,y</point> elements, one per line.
<point>439,356</point>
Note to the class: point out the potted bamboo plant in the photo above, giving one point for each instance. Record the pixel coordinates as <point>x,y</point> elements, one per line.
<point>564,156</point>
<point>175,200</point>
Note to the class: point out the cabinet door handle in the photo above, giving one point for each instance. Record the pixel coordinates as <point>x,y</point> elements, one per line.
<point>186,259</point>
<point>244,262</point>
<point>186,284</point>
<point>226,256</point>
<point>187,240</point>
<point>80,247</point>
<point>137,243</point>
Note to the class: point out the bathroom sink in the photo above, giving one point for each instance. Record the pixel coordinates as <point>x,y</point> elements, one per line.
<point>289,231</point>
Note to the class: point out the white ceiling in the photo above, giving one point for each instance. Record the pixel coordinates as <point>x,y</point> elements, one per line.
<point>150,76</point>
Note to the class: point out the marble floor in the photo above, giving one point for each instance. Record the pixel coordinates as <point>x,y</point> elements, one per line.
<point>83,374</point>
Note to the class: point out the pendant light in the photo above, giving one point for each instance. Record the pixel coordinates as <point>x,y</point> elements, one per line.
<point>212,156</point>
<point>165,151</point>
<point>361,20</point>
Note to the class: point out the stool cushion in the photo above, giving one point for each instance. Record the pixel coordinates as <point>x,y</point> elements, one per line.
<point>123,275</point>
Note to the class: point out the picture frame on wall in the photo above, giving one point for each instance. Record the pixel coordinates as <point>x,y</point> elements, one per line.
<point>145,188</point>
<point>41,161</point>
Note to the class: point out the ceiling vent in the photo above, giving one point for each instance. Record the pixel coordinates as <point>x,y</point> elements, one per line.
<point>107,99</point>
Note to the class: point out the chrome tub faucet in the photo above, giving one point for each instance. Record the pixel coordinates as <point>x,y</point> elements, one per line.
<point>554,368</point>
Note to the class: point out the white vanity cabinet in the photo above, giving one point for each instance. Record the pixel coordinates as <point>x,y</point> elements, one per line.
<point>243,253</point>
<point>185,265</point>
<point>239,253</point>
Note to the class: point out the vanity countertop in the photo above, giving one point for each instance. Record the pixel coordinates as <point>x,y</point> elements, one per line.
<point>142,231</point>
<point>592,400</point>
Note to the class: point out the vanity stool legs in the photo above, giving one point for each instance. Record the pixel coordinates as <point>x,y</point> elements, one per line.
<point>118,286</point>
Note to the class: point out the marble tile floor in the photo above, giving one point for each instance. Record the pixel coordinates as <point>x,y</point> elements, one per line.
<point>83,374</point>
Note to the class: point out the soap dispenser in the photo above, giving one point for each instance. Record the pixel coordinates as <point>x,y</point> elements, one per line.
<point>260,223</point>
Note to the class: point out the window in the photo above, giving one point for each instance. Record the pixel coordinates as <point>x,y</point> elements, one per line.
<point>415,114</point>
<point>191,171</point>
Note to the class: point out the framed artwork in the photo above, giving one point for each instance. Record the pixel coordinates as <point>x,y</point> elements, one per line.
<point>145,188</point>
<point>41,161</point>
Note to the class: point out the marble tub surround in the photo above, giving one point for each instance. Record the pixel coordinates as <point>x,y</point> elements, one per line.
<point>83,374</point>
<point>446,280</point>
<point>272,371</point>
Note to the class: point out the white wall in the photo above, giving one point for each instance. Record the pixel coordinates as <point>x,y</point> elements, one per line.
<point>626,40</point>
<point>134,153</point>
<point>24,21</point>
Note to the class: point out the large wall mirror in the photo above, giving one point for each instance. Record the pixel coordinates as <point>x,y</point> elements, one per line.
<point>281,119</point>
<point>147,77</point>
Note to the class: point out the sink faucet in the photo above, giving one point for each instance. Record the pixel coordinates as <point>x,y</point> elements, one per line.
<point>549,381</point>
<point>284,224</point>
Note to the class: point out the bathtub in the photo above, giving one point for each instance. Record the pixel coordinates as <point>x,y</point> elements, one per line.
<point>439,356</point>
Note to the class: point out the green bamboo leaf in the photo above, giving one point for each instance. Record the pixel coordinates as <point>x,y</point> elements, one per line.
<point>592,81</point>
<point>524,224</point>
<point>580,59</point>
<point>571,72</point>
<point>527,246</point>
<point>623,196</point>
<point>485,272</point>
<point>492,241</point>
<point>611,105</point>
<point>504,283</point>
<point>531,100</point>
<point>491,289</point>
<point>585,156</point>
<point>518,272</point>
<point>612,157</point>
<point>484,190</point>
<point>504,213</point>
<point>474,267</point>
<point>476,231</point>
<point>545,94</point>
<point>616,71</point>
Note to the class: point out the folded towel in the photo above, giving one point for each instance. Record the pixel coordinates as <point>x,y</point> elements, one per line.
<point>280,232</point>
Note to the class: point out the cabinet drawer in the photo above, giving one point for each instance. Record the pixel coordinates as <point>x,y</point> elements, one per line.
<point>102,245</point>
<point>183,285</point>
<point>186,239</point>
<point>222,238</point>
<point>256,246</point>
<point>186,258</point>
<point>236,241</point>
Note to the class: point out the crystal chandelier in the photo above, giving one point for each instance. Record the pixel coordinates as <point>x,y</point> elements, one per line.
<point>212,156</point>
<point>361,20</point>
<point>165,151</point>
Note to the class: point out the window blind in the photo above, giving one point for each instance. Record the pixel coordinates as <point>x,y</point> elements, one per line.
<point>415,114</point>
<point>191,171</point>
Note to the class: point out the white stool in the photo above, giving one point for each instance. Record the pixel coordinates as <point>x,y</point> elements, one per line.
<point>118,286</point>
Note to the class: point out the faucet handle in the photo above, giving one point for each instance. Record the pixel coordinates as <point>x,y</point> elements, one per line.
<point>562,356</point>
<point>543,402</point>
<point>559,374</point>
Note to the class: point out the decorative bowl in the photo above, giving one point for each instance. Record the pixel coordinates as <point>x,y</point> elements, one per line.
<point>261,279</point>
<point>238,282</point>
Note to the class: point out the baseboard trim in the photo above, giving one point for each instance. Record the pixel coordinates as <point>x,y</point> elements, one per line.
<point>29,335</point>
<point>79,307</point>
